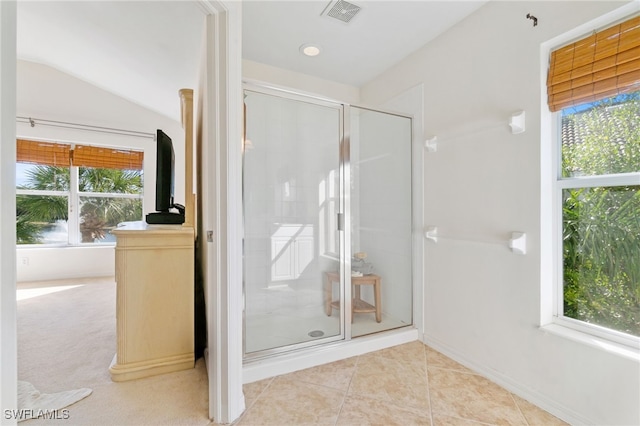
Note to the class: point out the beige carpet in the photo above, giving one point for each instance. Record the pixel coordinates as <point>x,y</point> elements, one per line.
<point>66,341</point>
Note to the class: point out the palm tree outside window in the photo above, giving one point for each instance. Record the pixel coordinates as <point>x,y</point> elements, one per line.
<point>75,203</point>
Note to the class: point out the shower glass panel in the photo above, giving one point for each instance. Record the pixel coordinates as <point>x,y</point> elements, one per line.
<point>381,218</point>
<point>292,198</point>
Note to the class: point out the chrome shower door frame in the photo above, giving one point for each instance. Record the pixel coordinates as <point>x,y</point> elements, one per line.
<point>344,233</point>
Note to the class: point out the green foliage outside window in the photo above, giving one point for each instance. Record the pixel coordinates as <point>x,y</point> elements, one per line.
<point>601,225</point>
<point>99,214</point>
<point>35,213</point>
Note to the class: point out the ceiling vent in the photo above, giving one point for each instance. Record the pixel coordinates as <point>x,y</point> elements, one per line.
<point>341,10</point>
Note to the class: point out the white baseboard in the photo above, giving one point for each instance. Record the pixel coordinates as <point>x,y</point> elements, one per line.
<point>288,363</point>
<point>524,392</point>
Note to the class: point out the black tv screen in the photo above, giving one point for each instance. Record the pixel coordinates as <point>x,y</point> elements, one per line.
<point>165,175</point>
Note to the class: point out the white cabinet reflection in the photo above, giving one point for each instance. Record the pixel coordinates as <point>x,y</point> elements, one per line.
<point>292,251</point>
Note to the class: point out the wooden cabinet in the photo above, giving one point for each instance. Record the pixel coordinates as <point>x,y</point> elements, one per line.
<point>154,305</point>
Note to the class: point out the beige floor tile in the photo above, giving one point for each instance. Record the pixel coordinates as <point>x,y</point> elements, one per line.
<point>470,396</point>
<point>537,416</point>
<point>287,402</point>
<point>409,384</point>
<point>253,390</point>
<point>359,410</point>
<point>436,359</point>
<point>409,354</point>
<point>335,375</point>
<point>390,380</point>
<point>442,420</point>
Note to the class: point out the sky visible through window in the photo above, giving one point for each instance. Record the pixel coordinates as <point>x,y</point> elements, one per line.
<point>587,106</point>
<point>21,173</point>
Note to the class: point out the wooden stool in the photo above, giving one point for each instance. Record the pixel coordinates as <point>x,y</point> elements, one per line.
<point>358,305</point>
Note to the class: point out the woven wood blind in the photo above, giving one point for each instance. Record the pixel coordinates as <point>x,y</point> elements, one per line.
<point>44,153</point>
<point>61,155</point>
<point>106,158</point>
<point>603,65</point>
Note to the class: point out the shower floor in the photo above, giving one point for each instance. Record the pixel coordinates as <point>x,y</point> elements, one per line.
<point>277,329</point>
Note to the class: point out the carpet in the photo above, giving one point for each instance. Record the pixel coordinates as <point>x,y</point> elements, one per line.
<point>56,332</point>
<point>34,404</point>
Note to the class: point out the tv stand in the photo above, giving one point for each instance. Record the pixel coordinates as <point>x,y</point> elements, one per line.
<point>154,303</point>
<point>165,218</point>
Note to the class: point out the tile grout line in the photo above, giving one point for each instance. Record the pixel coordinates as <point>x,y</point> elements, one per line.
<point>519,409</point>
<point>475,422</point>
<point>247,408</point>
<point>355,367</point>
<point>263,391</point>
<point>426,372</point>
<point>428,369</point>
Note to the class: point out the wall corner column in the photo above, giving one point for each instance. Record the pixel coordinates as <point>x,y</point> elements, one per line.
<point>8,306</point>
<point>222,207</point>
<point>186,107</point>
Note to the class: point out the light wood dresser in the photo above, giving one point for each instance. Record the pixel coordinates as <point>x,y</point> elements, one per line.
<point>154,303</point>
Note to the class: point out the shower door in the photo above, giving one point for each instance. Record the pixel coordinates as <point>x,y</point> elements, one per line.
<point>292,196</point>
<point>380,219</point>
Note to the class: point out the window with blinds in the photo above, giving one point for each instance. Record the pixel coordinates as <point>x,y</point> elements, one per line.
<point>43,153</point>
<point>594,88</point>
<point>63,155</point>
<point>602,65</point>
<point>75,194</point>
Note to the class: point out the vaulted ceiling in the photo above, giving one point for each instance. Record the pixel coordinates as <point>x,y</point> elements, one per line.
<point>146,51</point>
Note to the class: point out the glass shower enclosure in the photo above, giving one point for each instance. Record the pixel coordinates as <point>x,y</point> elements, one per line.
<point>323,182</point>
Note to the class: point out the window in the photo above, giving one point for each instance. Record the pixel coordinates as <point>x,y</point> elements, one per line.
<point>75,194</point>
<point>593,85</point>
<point>599,186</point>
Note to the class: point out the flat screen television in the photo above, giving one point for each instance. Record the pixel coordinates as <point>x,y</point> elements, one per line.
<point>165,173</point>
<point>165,184</point>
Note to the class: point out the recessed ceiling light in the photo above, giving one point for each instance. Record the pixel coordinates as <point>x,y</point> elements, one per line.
<point>310,49</point>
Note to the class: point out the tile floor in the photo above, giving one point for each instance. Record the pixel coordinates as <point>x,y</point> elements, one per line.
<point>410,384</point>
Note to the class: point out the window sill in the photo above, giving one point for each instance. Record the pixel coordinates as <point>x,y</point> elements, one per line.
<point>619,349</point>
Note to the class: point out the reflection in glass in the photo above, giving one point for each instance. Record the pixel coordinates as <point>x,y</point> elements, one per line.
<point>381,218</point>
<point>294,199</point>
<point>291,200</point>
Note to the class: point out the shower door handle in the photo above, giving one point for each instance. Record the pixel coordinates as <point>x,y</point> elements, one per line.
<point>340,222</point>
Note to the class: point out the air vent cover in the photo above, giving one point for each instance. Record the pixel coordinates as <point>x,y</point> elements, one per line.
<point>342,10</point>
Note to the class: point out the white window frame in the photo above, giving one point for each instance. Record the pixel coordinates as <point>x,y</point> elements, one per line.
<point>562,183</point>
<point>73,204</point>
<point>552,319</point>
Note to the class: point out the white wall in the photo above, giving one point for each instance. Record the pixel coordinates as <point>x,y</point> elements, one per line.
<point>482,302</point>
<point>8,307</point>
<point>45,93</point>
<point>219,133</point>
<point>301,83</point>
<point>52,263</point>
